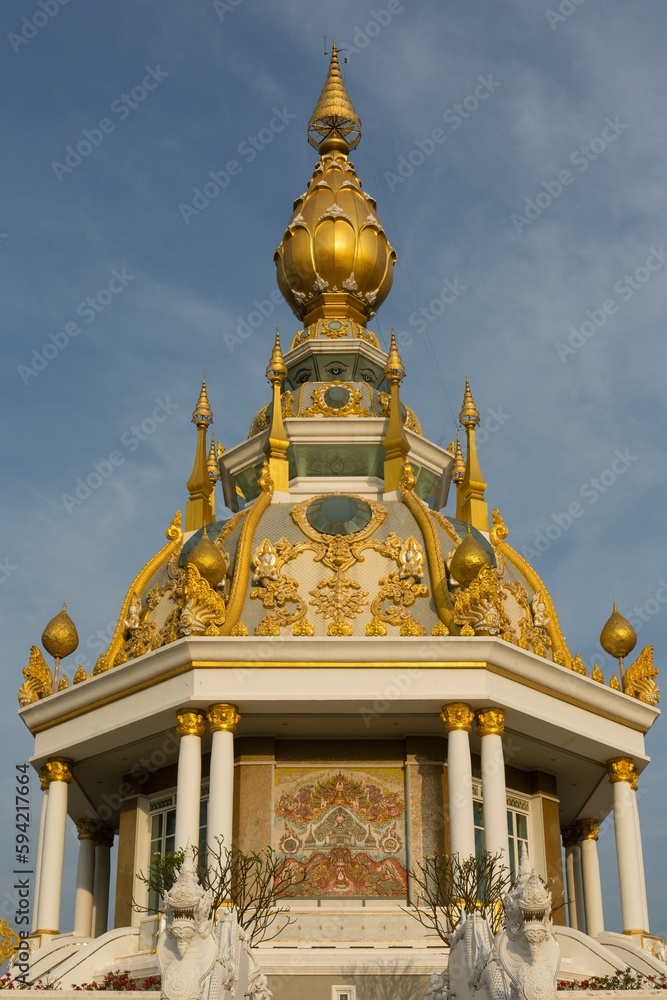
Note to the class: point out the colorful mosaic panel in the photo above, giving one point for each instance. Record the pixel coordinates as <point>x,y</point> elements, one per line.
<point>342,829</point>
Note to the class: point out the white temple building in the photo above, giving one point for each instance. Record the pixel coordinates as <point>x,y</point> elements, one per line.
<point>354,667</point>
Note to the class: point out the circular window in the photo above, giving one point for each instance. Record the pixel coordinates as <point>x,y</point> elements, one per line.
<point>338,515</point>
<point>336,397</point>
<point>334,324</point>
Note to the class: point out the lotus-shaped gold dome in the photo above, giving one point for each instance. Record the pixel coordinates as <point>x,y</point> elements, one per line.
<point>618,638</point>
<point>60,637</point>
<point>334,260</point>
<point>211,562</point>
<point>469,558</point>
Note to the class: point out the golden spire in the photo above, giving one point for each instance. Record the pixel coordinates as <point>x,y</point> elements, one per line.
<point>395,441</point>
<point>618,638</point>
<point>277,442</point>
<point>458,475</point>
<point>473,508</point>
<point>199,508</point>
<point>334,124</point>
<point>212,462</point>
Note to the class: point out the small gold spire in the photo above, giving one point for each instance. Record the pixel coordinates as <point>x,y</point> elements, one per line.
<point>221,449</point>
<point>458,475</point>
<point>468,559</point>
<point>199,508</point>
<point>395,441</point>
<point>618,638</point>
<point>213,469</point>
<point>473,507</point>
<point>334,124</point>
<point>469,415</point>
<point>202,415</point>
<point>277,442</point>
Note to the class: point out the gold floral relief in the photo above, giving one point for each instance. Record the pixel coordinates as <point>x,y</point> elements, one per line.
<point>478,608</point>
<point>320,408</point>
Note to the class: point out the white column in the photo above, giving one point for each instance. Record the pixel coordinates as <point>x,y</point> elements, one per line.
<point>589,831</point>
<point>85,877</point>
<point>458,719</point>
<point>59,775</point>
<point>623,777</point>
<point>223,720</point>
<point>640,856</point>
<point>190,728</point>
<point>44,781</point>
<point>490,729</point>
<point>573,880</point>
<point>103,844</point>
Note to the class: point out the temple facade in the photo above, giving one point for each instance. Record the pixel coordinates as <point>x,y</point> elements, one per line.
<point>353,666</point>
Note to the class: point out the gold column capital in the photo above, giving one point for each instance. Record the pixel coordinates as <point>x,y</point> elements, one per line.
<point>190,722</point>
<point>570,836</point>
<point>490,722</point>
<point>458,715</point>
<point>623,769</point>
<point>587,829</point>
<point>104,836</point>
<point>87,829</point>
<point>57,769</point>
<point>223,718</point>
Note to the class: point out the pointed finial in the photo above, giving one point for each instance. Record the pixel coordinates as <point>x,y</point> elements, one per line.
<point>221,448</point>
<point>202,415</point>
<point>277,369</point>
<point>394,372</point>
<point>618,637</point>
<point>334,123</point>
<point>469,415</point>
<point>212,463</point>
<point>459,469</point>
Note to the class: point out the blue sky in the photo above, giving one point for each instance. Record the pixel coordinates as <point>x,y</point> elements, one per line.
<point>516,151</point>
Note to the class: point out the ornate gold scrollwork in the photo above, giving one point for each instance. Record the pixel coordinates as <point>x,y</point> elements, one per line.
<point>623,769</point>
<point>38,681</point>
<point>639,682</point>
<point>320,408</point>
<point>478,608</point>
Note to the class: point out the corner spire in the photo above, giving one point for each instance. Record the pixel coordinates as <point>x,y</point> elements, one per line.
<point>473,507</point>
<point>458,475</point>
<point>199,508</point>
<point>334,124</point>
<point>395,442</point>
<point>277,442</point>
